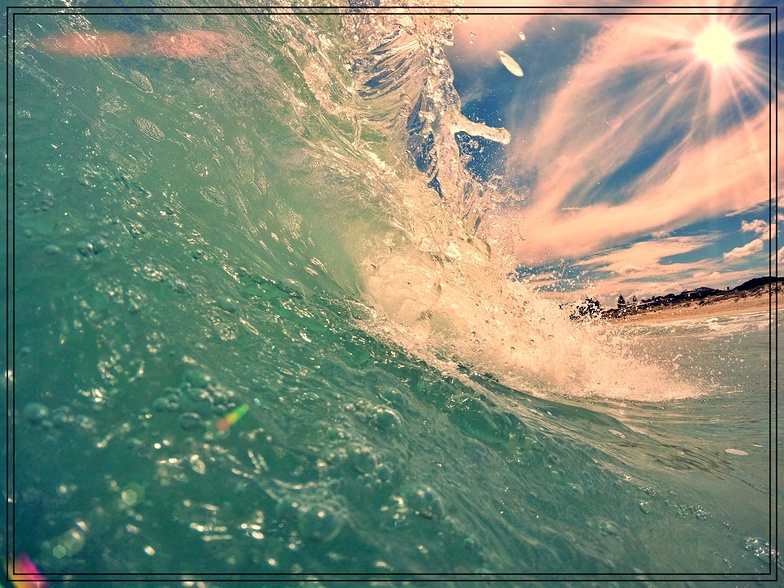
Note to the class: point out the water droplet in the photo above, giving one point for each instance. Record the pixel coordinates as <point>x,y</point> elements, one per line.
<point>610,528</point>
<point>197,400</point>
<point>62,416</point>
<point>99,243</point>
<point>384,473</point>
<point>160,404</point>
<point>393,396</point>
<point>141,81</point>
<point>84,248</point>
<point>197,378</point>
<point>136,229</point>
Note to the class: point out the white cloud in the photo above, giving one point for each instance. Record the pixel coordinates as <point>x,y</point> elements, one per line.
<point>758,226</point>
<point>751,248</point>
<point>761,228</point>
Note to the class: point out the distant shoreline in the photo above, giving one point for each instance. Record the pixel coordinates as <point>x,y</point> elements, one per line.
<point>758,302</point>
<point>755,295</point>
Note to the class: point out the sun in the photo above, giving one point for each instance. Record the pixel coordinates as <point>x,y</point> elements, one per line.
<point>716,45</point>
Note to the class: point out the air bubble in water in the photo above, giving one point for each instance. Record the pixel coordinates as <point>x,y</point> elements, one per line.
<point>320,523</point>
<point>425,502</point>
<point>735,451</point>
<point>191,421</point>
<point>386,418</point>
<point>362,459</point>
<point>35,412</point>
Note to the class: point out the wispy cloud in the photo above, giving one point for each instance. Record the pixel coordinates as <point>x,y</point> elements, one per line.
<point>589,136</point>
<point>645,258</point>
<point>718,278</point>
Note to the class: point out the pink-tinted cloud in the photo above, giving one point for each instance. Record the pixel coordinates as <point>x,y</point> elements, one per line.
<point>750,248</point>
<point>733,179</point>
<point>760,227</point>
<point>757,226</point>
<point>645,257</point>
<point>718,278</point>
<point>692,276</point>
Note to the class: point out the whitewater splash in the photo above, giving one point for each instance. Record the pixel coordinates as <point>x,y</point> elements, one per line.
<point>440,280</point>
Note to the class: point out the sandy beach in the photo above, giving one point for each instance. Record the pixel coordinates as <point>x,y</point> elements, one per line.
<point>678,312</point>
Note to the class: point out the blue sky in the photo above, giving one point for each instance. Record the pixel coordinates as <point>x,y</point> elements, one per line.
<point>639,158</point>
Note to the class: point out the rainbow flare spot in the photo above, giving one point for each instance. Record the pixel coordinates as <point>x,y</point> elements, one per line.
<point>23,566</point>
<point>231,418</point>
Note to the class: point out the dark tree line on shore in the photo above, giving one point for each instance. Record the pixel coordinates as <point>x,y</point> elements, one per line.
<point>592,308</point>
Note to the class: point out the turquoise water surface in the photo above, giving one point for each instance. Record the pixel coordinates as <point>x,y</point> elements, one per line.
<point>261,227</point>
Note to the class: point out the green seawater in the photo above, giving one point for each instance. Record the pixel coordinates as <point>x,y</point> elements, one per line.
<point>186,238</point>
